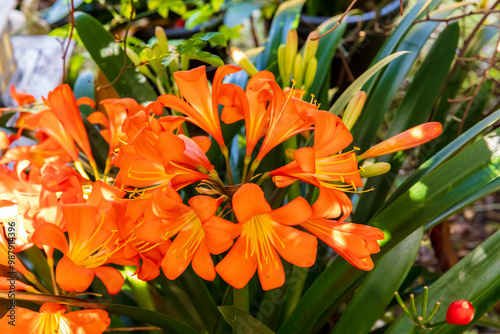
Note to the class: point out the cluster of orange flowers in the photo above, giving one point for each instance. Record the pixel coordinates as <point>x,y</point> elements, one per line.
<point>139,218</point>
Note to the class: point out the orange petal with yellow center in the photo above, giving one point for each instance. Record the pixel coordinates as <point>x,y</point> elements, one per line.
<point>271,274</point>
<point>249,201</point>
<point>25,321</point>
<point>71,277</point>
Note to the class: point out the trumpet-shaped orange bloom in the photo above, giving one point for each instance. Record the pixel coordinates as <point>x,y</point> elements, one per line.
<point>251,105</point>
<point>198,232</point>
<point>415,136</point>
<point>200,106</point>
<point>317,165</point>
<point>285,119</point>
<point>52,318</point>
<point>64,106</point>
<point>92,240</point>
<point>353,242</point>
<point>265,233</point>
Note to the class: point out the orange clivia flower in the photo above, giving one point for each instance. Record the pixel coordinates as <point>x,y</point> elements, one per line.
<point>353,242</point>
<point>200,105</point>
<point>198,232</point>
<point>265,233</point>
<point>52,318</point>
<point>92,240</point>
<point>250,105</point>
<point>415,136</point>
<point>320,165</point>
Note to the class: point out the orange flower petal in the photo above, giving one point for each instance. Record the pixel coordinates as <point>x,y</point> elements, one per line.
<point>295,246</point>
<point>88,321</point>
<point>306,159</point>
<point>111,277</point>
<point>177,258</point>
<point>293,213</point>
<point>203,264</point>
<point>249,201</point>
<point>50,235</point>
<point>71,277</point>
<point>331,203</point>
<point>272,274</point>
<point>205,207</point>
<point>237,269</point>
<point>25,321</point>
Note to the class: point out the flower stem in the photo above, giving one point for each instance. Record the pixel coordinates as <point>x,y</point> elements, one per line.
<point>30,277</point>
<point>225,152</point>
<point>50,262</point>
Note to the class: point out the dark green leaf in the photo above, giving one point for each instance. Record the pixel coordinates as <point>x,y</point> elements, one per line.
<point>147,316</point>
<point>108,56</point>
<point>378,287</point>
<point>242,322</point>
<point>208,58</point>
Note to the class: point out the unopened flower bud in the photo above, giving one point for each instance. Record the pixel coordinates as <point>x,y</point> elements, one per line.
<point>162,40</point>
<point>281,65</point>
<point>460,312</point>
<point>310,73</point>
<point>243,61</point>
<point>292,41</point>
<point>298,70</point>
<point>353,109</point>
<point>378,168</point>
<point>290,154</point>
<point>311,47</point>
<point>415,136</point>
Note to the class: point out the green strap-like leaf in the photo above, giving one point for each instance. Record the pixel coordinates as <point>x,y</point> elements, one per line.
<point>378,287</point>
<point>286,18</point>
<point>472,171</point>
<point>415,109</point>
<point>242,322</point>
<point>342,101</point>
<point>382,95</point>
<point>167,323</point>
<point>325,53</point>
<point>108,55</point>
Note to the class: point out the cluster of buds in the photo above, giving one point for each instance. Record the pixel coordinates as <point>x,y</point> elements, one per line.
<point>460,312</point>
<point>297,67</point>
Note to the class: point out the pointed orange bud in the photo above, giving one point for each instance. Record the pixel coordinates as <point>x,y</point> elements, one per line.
<point>415,136</point>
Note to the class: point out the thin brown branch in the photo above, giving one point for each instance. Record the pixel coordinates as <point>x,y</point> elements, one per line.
<point>463,99</point>
<point>483,79</point>
<point>346,66</point>
<point>463,50</point>
<point>338,22</point>
<point>253,31</point>
<point>401,7</point>
<point>71,28</point>
<point>453,18</point>
<point>124,67</point>
<point>130,329</point>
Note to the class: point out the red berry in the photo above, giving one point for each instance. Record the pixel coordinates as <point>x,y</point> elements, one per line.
<point>460,312</point>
